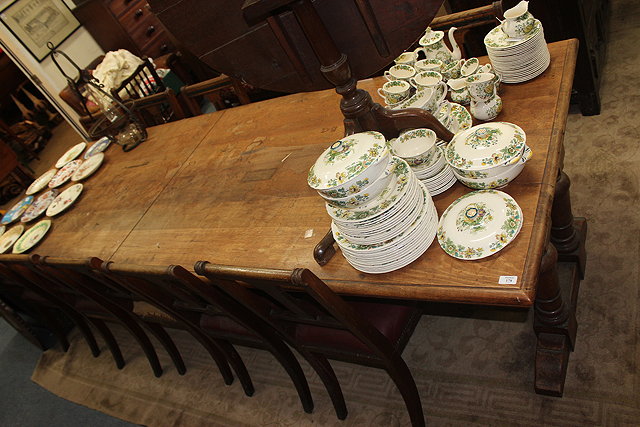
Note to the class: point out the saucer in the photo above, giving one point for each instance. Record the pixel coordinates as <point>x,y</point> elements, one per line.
<point>71,154</point>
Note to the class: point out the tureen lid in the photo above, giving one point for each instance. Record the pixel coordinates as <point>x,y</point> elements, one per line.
<point>479,224</point>
<point>485,146</point>
<point>347,158</point>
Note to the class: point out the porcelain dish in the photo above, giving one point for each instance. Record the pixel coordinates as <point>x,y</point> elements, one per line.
<point>16,210</point>
<point>479,224</point>
<point>32,236</point>
<point>480,180</point>
<point>9,237</point>
<point>39,205</point>
<point>64,174</point>
<point>369,193</point>
<point>71,154</point>
<point>41,182</point>
<point>98,147</point>
<point>64,200</point>
<point>88,167</point>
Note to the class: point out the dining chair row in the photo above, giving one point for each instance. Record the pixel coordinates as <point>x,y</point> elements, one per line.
<point>221,307</point>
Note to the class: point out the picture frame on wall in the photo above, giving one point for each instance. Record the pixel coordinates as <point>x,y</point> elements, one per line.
<point>37,22</point>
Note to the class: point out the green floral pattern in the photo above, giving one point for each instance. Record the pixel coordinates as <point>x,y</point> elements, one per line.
<point>509,152</point>
<point>457,251</point>
<point>474,217</point>
<point>483,137</point>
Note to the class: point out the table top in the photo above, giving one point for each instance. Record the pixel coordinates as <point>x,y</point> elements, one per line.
<point>230,188</point>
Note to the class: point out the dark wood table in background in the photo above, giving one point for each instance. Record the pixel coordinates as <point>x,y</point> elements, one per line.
<point>230,187</point>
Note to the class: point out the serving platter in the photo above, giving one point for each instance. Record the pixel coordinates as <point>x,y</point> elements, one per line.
<point>9,237</point>
<point>64,200</point>
<point>41,182</point>
<point>71,154</point>
<point>32,236</point>
<point>16,210</point>
<point>479,224</point>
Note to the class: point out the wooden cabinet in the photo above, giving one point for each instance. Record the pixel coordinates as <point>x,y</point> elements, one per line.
<point>125,24</point>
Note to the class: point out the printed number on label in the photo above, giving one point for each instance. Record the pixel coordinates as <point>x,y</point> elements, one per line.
<point>508,280</point>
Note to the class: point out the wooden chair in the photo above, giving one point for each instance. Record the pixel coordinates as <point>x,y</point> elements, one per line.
<point>216,321</point>
<point>158,108</point>
<point>143,81</point>
<point>320,325</point>
<point>110,303</point>
<point>212,90</point>
<point>15,319</point>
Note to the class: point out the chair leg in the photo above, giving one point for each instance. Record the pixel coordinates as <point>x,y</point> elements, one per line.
<point>328,377</point>
<point>84,329</point>
<point>110,341</point>
<point>215,352</point>
<point>238,366</point>
<point>168,344</point>
<point>401,376</point>
<point>54,325</point>
<point>293,368</point>
<point>143,340</point>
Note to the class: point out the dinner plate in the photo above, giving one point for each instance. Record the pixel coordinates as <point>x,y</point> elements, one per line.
<point>39,205</point>
<point>64,200</point>
<point>479,224</point>
<point>63,175</point>
<point>98,147</point>
<point>16,210</point>
<point>9,237</point>
<point>71,154</point>
<point>41,182</point>
<point>2,228</point>
<point>32,236</point>
<point>88,167</point>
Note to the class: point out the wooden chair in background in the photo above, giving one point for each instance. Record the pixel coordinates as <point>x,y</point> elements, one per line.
<point>320,325</point>
<point>213,318</point>
<point>143,81</point>
<point>212,90</point>
<point>158,108</point>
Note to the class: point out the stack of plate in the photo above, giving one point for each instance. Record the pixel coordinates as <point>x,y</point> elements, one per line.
<point>518,60</point>
<point>437,177</point>
<point>390,231</point>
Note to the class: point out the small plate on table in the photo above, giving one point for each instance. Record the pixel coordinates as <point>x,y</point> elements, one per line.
<point>9,238</point>
<point>64,200</point>
<point>71,154</point>
<point>32,236</point>
<point>88,167</point>
<point>17,210</point>
<point>39,205</point>
<point>98,147</point>
<point>65,173</point>
<point>41,182</point>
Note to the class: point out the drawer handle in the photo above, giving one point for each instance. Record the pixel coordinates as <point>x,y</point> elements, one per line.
<point>150,30</point>
<point>138,13</point>
<point>164,48</point>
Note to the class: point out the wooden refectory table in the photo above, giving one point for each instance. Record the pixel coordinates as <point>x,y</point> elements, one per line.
<point>230,188</point>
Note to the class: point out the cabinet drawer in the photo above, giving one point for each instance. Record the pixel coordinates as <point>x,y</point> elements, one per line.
<point>118,7</point>
<point>135,16</point>
<point>157,47</point>
<point>145,30</point>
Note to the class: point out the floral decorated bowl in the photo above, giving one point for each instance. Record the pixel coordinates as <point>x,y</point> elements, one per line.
<point>509,174</point>
<point>350,165</point>
<point>416,147</point>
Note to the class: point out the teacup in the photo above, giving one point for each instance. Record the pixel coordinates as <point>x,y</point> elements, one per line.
<point>481,86</point>
<point>400,72</point>
<point>459,91</point>
<point>425,79</point>
<point>416,146</point>
<point>428,65</point>
<point>469,67</point>
<point>452,69</point>
<point>518,21</point>
<point>407,58</point>
<point>394,91</point>
<point>438,94</point>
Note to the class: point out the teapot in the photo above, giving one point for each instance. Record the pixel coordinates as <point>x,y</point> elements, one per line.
<point>432,44</point>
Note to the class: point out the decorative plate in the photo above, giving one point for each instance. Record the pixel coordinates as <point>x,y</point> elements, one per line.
<point>346,159</point>
<point>88,167</point>
<point>98,147</point>
<point>17,210</point>
<point>32,236</point>
<point>479,224</point>
<point>39,205</point>
<point>64,200</point>
<point>498,39</point>
<point>485,146</point>
<point>2,228</point>
<point>71,154</point>
<point>383,202</point>
<point>9,238</point>
<point>41,181</point>
<point>64,174</point>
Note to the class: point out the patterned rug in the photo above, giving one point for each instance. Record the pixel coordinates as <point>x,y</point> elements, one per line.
<point>472,366</point>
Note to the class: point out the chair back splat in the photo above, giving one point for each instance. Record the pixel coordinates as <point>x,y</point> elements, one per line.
<point>322,325</point>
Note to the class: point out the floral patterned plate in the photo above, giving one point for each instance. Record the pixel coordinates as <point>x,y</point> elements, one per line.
<point>9,238</point>
<point>32,236</point>
<point>98,147</point>
<point>64,174</point>
<point>39,205</point>
<point>17,210</point>
<point>479,224</point>
<point>88,167</point>
<point>41,181</point>
<point>71,154</point>
<point>498,39</point>
<point>2,228</point>
<point>64,200</point>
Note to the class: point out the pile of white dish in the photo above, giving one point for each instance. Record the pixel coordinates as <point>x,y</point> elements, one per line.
<point>517,47</point>
<point>383,217</point>
<point>418,148</point>
<point>489,155</point>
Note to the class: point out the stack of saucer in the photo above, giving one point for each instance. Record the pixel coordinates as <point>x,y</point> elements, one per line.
<point>383,217</point>
<point>437,176</point>
<point>517,60</point>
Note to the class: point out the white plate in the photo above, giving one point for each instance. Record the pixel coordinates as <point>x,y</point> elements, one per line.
<point>98,147</point>
<point>2,228</point>
<point>9,237</point>
<point>479,224</point>
<point>63,175</point>
<point>39,205</point>
<point>88,167</point>
<point>71,154</point>
<point>41,182</point>
<point>64,200</point>
<point>32,236</point>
